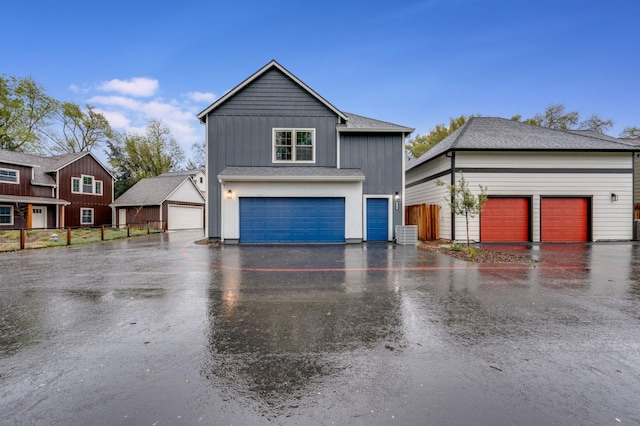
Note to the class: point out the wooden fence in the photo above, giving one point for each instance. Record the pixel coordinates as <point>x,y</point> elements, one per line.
<point>427,217</point>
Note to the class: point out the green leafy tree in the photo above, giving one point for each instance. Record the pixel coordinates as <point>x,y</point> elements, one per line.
<point>25,110</point>
<point>518,118</point>
<point>422,143</point>
<point>80,130</point>
<point>134,157</point>
<point>630,133</point>
<point>463,202</point>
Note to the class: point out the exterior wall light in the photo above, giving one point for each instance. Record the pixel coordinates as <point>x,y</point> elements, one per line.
<point>614,197</point>
<point>396,198</point>
<point>229,194</point>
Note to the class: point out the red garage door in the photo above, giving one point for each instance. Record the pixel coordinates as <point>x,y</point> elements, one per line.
<point>505,220</point>
<point>564,220</point>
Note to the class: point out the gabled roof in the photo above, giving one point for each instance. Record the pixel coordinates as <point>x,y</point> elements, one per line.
<point>500,134</point>
<point>152,191</point>
<point>39,164</point>
<point>289,173</point>
<point>255,76</point>
<point>44,165</point>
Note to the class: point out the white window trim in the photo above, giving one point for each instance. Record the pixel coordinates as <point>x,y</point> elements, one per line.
<point>81,216</point>
<point>17,182</point>
<point>11,210</point>
<point>81,185</point>
<point>293,145</point>
<point>93,184</point>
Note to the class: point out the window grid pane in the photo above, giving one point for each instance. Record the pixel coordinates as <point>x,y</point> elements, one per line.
<point>8,176</point>
<point>303,138</point>
<point>87,185</point>
<point>87,216</point>
<point>5,215</point>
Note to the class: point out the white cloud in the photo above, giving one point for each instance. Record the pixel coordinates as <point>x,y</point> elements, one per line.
<point>137,86</point>
<point>117,101</point>
<point>77,89</point>
<point>117,119</point>
<point>132,103</point>
<point>201,96</point>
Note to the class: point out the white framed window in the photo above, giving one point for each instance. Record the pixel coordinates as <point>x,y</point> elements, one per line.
<point>86,185</point>
<point>75,185</point>
<point>294,145</point>
<point>6,215</point>
<point>86,216</point>
<point>9,176</point>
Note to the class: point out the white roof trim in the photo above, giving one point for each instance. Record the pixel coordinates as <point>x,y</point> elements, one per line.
<point>223,179</point>
<point>259,73</point>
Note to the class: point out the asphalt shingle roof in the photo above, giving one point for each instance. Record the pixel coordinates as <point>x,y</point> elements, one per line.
<point>500,134</point>
<point>181,173</point>
<point>359,122</point>
<point>150,191</point>
<point>41,165</point>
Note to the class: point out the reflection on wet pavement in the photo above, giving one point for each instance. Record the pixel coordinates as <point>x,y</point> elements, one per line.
<point>159,330</point>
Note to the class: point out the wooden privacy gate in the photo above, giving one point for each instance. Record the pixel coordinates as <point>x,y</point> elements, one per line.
<point>427,217</point>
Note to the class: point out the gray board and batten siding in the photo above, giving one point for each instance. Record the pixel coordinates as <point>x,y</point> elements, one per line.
<point>380,157</point>
<point>239,133</point>
<point>240,130</point>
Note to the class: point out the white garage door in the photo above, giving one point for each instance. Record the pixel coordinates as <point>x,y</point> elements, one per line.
<point>185,217</point>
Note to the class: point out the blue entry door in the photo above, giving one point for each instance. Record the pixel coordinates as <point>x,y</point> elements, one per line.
<point>377,219</point>
<point>292,220</point>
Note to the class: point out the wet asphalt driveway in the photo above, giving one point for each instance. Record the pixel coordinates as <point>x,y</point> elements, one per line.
<point>159,331</point>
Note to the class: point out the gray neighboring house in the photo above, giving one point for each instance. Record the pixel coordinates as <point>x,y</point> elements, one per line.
<point>543,185</point>
<point>286,166</point>
<point>199,177</point>
<point>174,199</point>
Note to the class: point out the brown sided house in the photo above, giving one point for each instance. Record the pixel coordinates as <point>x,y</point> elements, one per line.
<point>173,199</point>
<point>58,191</point>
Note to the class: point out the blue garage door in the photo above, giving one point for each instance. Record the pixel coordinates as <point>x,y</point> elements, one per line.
<point>377,219</point>
<point>291,220</point>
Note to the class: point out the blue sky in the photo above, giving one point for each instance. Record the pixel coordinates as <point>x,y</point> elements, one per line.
<point>414,63</point>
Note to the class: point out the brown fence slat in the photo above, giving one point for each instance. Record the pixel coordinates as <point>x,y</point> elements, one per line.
<point>427,217</point>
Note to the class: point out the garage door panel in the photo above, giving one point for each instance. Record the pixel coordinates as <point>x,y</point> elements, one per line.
<point>290,220</point>
<point>505,220</point>
<point>184,217</point>
<point>564,219</point>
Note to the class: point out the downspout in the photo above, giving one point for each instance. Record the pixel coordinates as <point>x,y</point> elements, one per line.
<point>453,182</point>
<point>404,159</point>
<point>57,198</point>
<point>337,147</point>
<point>208,170</point>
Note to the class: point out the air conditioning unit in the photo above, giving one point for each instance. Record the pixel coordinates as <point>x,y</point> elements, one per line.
<point>407,235</point>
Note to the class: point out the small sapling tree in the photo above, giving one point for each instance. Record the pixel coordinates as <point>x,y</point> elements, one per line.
<point>463,202</point>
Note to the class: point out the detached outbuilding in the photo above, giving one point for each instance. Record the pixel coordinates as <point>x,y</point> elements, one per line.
<point>543,185</point>
<point>173,199</point>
